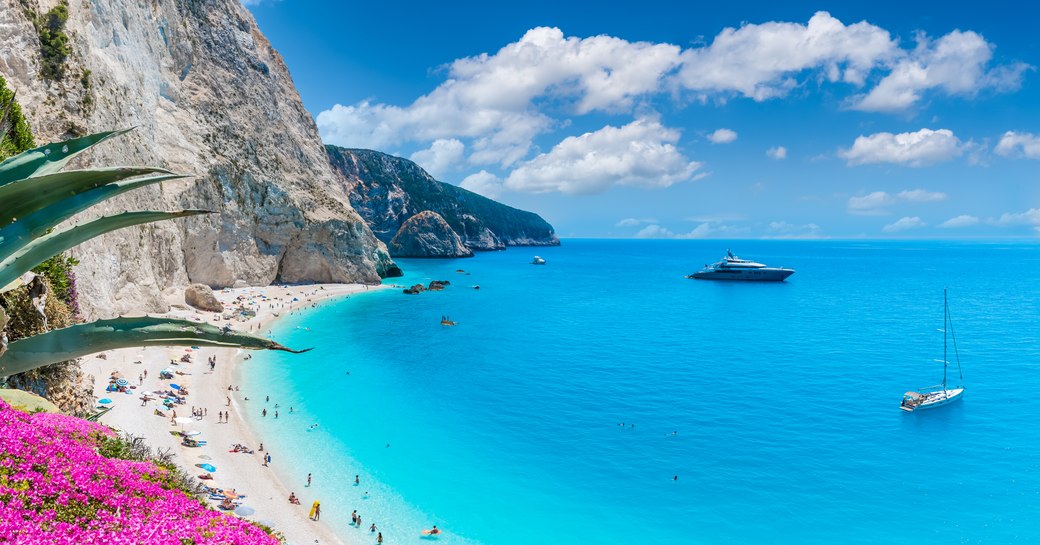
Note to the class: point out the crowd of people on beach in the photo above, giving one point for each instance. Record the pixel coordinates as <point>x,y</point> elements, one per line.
<point>228,499</point>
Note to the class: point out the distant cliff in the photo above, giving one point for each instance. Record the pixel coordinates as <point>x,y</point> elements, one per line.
<point>388,190</point>
<point>210,98</point>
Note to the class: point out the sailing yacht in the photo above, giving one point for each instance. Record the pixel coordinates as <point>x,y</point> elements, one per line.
<point>937,396</point>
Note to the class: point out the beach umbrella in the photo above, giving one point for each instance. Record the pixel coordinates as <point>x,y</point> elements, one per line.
<point>205,457</point>
<point>207,467</point>
<point>122,382</point>
<point>183,420</point>
<point>105,401</point>
<point>174,386</point>
<point>244,511</point>
<point>191,433</point>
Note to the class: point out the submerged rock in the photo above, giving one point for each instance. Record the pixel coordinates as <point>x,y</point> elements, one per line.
<point>418,288</point>
<point>426,234</point>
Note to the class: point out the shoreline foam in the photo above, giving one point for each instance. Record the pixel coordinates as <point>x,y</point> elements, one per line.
<point>264,487</point>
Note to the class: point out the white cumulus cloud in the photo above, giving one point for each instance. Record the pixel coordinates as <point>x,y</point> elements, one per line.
<point>632,222</point>
<point>723,136</point>
<point>783,229</point>
<point>640,154</point>
<point>703,230</point>
<point>962,220</point>
<point>483,183</point>
<point>778,153</point>
<point>490,98</point>
<point>761,61</point>
<point>1019,144</point>
<point>956,63</point>
<point>875,204</point>
<point>443,156</point>
<point>902,224</point>
<point>1029,217</point>
<point>915,149</point>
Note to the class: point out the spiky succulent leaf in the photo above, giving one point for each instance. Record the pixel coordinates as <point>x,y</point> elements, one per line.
<point>43,248</point>
<point>50,158</point>
<point>83,339</point>
<point>19,233</point>
<point>24,197</point>
<point>3,335</point>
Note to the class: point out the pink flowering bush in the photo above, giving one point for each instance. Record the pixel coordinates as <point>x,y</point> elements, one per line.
<point>56,489</point>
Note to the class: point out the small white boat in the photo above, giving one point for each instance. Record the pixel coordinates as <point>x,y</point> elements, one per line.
<point>538,261</point>
<point>937,396</point>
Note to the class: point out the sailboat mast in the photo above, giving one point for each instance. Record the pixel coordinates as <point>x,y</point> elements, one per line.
<point>946,321</point>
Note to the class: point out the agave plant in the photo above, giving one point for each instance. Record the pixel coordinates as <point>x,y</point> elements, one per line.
<point>35,197</point>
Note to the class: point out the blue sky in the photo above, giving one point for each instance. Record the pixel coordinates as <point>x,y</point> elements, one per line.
<point>677,120</point>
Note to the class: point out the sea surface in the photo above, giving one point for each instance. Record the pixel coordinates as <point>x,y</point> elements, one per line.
<point>752,413</point>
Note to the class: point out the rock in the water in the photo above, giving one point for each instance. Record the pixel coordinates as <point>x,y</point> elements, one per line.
<point>426,234</point>
<point>416,289</point>
<point>438,285</point>
<point>201,297</point>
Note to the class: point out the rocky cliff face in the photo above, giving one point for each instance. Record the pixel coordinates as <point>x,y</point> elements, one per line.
<point>210,97</point>
<point>387,190</point>
<point>426,234</point>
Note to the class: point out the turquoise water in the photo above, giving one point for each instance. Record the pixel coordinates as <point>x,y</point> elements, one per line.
<point>505,429</point>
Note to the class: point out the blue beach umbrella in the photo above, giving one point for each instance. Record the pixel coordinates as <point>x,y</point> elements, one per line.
<point>175,387</point>
<point>121,382</point>
<point>105,401</point>
<point>244,511</point>
<point>207,467</point>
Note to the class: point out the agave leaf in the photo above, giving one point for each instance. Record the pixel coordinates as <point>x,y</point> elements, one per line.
<point>83,339</point>
<point>50,158</point>
<point>26,196</point>
<point>43,248</point>
<point>3,331</point>
<point>19,233</point>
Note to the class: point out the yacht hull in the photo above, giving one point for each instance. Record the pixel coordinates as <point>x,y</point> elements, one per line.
<point>748,275</point>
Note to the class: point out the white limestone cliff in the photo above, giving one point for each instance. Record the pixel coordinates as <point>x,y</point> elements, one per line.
<point>211,98</point>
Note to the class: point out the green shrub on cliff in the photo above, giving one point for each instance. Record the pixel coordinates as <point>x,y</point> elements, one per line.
<point>54,42</point>
<point>15,135</point>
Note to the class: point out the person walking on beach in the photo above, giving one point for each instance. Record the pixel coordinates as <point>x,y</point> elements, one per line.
<point>317,511</point>
<point>353,517</point>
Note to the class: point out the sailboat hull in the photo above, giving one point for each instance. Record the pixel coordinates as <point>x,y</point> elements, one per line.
<point>933,400</point>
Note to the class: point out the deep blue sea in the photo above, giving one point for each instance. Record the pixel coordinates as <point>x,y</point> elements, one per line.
<point>776,405</point>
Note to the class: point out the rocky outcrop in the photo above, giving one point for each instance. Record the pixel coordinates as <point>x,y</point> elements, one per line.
<point>426,234</point>
<point>63,384</point>
<point>201,297</point>
<point>388,190</point>
<point>210,98</point>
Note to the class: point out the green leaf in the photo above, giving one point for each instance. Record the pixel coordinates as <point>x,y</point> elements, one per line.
<point>26,196</point>
<point>83,339</point>
<point>50,158</point>
<point>41,249</point>
<point>19,233</point>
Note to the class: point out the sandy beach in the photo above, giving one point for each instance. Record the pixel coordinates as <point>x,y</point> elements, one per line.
<point>208,390</point>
